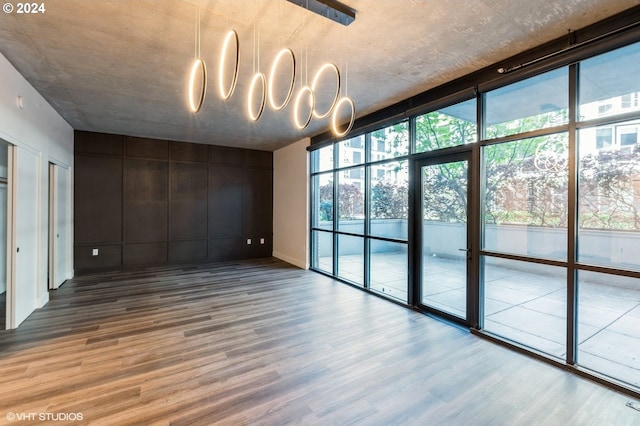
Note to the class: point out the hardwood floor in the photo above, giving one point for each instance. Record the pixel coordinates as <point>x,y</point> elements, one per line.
<point>262,342</point>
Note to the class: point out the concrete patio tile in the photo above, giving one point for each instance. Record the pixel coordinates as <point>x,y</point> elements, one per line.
<point>396,289</point>
<point>627,325</point>
<point>606,290</point>
<point>549,327</point>
<point>442,280</point>
<point>431,288</point>
<point>509,295</point>
<point>634,312</point>
<point>453,302</point>
<point>597,316</point>
<point>586,331</point>
<point>548,304</point>
<point>616,304</point>
<point>619,353</point>
<point>521,336</point>
<point>605,366</point>
<point>491,306</point>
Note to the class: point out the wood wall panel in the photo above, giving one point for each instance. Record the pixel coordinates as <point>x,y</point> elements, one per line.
<point>145,254</point>
<point>226,155</point>
<point>258,201</point>
<point>146,200</point>
<point>254,158</point>
<point>182,151</point>
<point>147,148</point>
<point>187,251</point>
<point>225,197</point>
<point>152,202</point>
<point>256,249</point>
<point>98,143</point>
<point>225,249</point>
<point>98,200</point>
<point>109,257</point>
<point>188,201</point>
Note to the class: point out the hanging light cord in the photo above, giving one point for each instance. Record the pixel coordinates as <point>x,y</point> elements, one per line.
<point>197,37</point>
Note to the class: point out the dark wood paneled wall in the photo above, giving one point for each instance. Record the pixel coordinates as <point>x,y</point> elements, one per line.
<point>153,202</point>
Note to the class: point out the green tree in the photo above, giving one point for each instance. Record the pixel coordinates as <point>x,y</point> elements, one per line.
<point>389,201</point>
<point>350,202</point>
<point>610,190</point>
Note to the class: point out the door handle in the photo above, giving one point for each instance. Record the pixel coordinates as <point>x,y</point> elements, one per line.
<point>468,252</point>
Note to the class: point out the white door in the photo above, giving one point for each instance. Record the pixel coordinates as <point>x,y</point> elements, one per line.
<point>59,226</point>
<point>3,238</point>
<point>24,235</point>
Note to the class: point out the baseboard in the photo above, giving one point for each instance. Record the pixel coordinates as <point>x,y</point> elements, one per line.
<point>296,262</point>
<point>44,299</point>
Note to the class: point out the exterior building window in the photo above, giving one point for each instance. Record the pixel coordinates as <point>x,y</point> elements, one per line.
<point>604,138</point>
<point>628,136</point>
<point>603,109</point>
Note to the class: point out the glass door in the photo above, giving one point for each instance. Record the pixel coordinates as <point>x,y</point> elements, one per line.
<point>444,249</point>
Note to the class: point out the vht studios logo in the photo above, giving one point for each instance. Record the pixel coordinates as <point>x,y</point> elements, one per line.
<point>44,417</point>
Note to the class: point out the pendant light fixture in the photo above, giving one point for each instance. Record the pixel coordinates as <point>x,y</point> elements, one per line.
<point>195,100</point>
<point>286,52</point>
<point>258,79</point>
<point>328,67</point>
<point>344,101</point>
<point>304,92</point>
<point>230,39</point>
<point>279,94</point>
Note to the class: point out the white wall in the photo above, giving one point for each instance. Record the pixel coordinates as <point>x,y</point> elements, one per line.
<point>39,128</point>
<point>290,204</point>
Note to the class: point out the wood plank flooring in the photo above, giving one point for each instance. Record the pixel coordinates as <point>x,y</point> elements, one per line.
<point>262,342</point>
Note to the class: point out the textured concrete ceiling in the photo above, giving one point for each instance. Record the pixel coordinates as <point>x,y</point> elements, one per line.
<point>120,66</point>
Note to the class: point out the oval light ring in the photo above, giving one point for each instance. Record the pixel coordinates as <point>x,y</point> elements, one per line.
<point>334,117</point>
<point>226,93</point>
<point>198,64</point>
<point>300,125</point>
<point>257,77</point>
<point>274,67</point>
<point>314,89</point>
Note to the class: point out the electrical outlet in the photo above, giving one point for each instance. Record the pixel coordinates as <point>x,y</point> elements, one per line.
<point>248,241</point>
<point>261,240</point>
<point>94,252</point>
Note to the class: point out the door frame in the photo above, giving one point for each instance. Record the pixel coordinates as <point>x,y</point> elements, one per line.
<point>472,155</point>
<point>51,235</point>
<point>10,242</point>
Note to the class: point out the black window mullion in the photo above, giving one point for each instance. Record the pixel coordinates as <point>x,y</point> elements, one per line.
<point>367,224</point>
<point>481,185</point>
<point>572,220</point>
<point>336,212</point>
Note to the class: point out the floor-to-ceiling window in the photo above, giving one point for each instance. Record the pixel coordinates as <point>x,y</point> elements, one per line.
<point>524,215</point>
<point>557,156</point>
<point>608,219</point>
<point>360,210</point>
